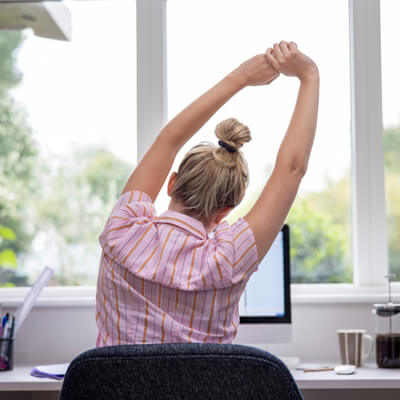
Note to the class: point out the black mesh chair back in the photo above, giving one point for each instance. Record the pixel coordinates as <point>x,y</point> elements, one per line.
<point>178,371</point>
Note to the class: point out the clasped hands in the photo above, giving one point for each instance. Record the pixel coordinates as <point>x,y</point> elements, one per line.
<point>283,58</point>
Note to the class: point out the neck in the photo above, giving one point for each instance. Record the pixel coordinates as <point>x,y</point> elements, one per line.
<point>178,207</point>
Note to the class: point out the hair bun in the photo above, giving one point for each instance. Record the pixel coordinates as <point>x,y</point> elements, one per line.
<point>233,132</point>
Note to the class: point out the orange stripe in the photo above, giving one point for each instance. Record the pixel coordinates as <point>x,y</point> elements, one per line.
<point>159,295</point>
<point>177,299</point>
<point>144,210</point>
<point>223,255</point>
<point>226,241</point>
<point>176,259</point>
<point>240,233</point>
<point>184,223</point>
<point>140,197</point>
<point>191,267</point>
<point>204,280</point>
<point>223,230</point>
<point>142,286</point>
<point>97,316</point>
<point>162,328</point>
<point>145,322</point>
<point>238,261</point>
<point>248,270</point>
<point>104,304</point>
<point>130,197</point>
<point>137,243</point>
<point>130,289</point>
<point>234,333</point>
<point>116,303</point>
<point>211,315</point>
<point>227,307</point>
<point>148,258</point>
<point>133,212</point>
<point>120,217</point>
<point>120,227</point>
<point>219,269</point>
<point>162,250</point>
<point>192,317</point>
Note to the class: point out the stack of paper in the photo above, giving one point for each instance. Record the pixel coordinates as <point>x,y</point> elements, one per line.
<point>53,371</point>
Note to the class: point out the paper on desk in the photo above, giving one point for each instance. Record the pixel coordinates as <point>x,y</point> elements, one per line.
<point>53,371</point>
<point>305,366</point>
<point>25,308</point>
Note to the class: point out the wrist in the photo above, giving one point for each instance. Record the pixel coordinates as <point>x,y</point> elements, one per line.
<point>238,79</point>
<point>311,74</point>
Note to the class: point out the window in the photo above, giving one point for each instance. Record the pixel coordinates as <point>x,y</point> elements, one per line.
<point>320,221</point>
<point>67,141</point>
<point>390,31</point>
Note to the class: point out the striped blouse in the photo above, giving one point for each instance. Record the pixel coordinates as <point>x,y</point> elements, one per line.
<point>163,279</point>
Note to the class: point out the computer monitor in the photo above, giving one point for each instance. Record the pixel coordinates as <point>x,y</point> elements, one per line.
<point>264,308</point>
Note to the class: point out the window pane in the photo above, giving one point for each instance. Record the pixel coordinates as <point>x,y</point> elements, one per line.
<point>206,40</point>
<point>390,31</point>
<point>67,141</point>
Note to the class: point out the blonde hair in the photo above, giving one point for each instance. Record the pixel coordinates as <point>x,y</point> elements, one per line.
<point>211,177</point>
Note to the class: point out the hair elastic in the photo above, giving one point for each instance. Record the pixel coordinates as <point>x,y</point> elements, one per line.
<point>226,146</point>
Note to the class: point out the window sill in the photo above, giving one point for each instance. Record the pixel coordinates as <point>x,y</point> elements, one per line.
<point>85,296</point>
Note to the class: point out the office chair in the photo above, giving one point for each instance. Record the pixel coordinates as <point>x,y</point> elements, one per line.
<point>178,371</point>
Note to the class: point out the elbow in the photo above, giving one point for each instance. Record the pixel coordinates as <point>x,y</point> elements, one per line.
<point>295,168</point>
<point>298,169</point>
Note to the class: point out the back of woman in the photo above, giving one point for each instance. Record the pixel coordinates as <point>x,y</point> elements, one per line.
<point>178,276</point>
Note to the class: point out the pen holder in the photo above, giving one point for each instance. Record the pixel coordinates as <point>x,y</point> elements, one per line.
<point>6,354</point>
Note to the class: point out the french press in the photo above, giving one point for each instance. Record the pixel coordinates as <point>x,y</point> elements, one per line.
<point>387,329</point>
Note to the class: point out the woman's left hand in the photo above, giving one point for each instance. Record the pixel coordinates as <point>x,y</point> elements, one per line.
<point>256,71</point>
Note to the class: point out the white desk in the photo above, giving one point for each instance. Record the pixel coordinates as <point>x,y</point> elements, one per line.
<point>368,377</point>
<point>19,379</point>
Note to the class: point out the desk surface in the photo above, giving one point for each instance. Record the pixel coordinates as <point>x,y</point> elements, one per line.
<point>19,379</point>
<point>369,377</point>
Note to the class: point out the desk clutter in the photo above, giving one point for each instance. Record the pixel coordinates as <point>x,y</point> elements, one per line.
<point>6,342</point>
<point>52,371</point>
<point>10,326</point>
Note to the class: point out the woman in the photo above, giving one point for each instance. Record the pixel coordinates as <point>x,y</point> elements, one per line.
<point>164,279</point>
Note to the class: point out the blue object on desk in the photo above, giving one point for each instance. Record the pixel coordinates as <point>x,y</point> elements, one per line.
<point>52,371</point>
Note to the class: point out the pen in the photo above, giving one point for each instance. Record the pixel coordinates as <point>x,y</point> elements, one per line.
<point>12,327</point>
<point>5,319</point>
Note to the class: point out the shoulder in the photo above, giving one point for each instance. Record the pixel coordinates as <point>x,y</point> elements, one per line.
<point>133,204</point>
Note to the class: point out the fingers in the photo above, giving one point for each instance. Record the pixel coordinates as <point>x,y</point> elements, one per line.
<point>277,52</point>
<point>283,46</point>
<point>292,46</point>
<point>271,58</point>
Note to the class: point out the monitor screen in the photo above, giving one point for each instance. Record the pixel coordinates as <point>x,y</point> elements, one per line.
<point>266,297</point>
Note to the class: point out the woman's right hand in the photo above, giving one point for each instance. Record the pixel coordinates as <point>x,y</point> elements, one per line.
<point>288,60</point>
<point>255,71</point>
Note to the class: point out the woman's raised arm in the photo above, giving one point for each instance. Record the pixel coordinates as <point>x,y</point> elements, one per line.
<point>153,169</point>
<point>269,212</point>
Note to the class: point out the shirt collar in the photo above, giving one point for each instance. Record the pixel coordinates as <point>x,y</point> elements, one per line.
<point>185,222</point>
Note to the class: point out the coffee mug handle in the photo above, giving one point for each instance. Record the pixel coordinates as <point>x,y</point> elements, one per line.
<point>366,352</point>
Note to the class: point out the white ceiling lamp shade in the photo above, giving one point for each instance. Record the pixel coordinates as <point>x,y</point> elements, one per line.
<point>48,19</point>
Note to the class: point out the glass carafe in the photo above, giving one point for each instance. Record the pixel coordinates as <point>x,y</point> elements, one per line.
<point>387,329</point>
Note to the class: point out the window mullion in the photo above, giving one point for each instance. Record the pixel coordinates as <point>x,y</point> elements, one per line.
<point>151,72</point>
<point>368,204</point>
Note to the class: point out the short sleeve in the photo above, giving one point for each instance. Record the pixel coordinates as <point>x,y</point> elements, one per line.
<point>245,261</point>
<point>129,220</point>
<point>235,253</point>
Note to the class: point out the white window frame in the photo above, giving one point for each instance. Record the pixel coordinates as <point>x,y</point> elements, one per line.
<point>370,259</point>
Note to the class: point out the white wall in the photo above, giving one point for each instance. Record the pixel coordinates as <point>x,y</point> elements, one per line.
<point>58,333</point>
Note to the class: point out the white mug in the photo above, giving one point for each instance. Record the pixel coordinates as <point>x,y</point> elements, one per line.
<point>352,349</point>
